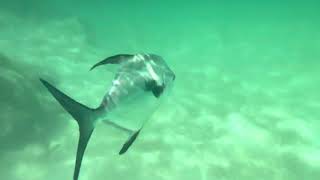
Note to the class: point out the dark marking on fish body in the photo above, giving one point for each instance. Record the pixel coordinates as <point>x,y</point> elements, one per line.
<point>156,89</point>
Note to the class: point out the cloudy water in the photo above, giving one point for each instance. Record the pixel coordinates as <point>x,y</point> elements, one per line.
<point>245,104</point>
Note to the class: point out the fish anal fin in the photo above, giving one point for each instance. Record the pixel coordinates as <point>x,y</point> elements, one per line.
<point>129,142</point>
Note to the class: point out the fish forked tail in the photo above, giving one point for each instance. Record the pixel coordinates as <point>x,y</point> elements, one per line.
<point>85,118</point>
<point>83,115</point>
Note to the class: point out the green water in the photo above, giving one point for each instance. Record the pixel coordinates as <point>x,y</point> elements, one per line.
<point>245,104</point>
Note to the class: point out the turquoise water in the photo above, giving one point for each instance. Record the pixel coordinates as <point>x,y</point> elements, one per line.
<point>245,104</point>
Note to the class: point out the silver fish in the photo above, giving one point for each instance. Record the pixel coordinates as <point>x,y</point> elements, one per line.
<point>139,83</point>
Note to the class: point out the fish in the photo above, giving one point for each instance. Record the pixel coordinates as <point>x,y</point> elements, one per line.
<point>140,82</point>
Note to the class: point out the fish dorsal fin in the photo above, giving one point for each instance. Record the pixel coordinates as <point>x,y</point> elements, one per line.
<point>116,59</point>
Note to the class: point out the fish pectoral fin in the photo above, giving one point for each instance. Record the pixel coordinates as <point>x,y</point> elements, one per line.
<point>129,142</point>
<point>116,59</point>
<point>114,124</point>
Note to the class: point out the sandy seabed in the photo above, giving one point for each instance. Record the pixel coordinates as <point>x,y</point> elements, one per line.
<point>223,120</point>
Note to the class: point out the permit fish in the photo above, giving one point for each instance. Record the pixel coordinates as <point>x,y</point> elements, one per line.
<point>140,81</point>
